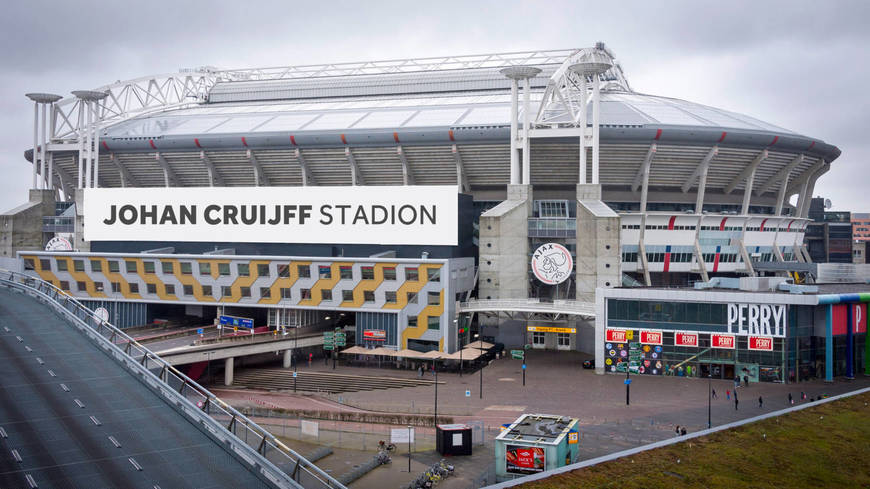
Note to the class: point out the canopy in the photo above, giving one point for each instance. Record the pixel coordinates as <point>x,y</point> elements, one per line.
<point>480,344</point>
<point>356,350</point>
<point>432,355</point>
<point>466,354</point>
<point>386,352</point>
<point>409,353</point>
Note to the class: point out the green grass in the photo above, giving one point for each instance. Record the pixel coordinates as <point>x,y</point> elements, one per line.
<point>823,446</point>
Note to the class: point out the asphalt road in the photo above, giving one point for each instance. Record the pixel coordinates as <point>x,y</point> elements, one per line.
<point>71,417</point>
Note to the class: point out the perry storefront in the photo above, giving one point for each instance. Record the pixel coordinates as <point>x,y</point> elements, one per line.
<point>773,335</point>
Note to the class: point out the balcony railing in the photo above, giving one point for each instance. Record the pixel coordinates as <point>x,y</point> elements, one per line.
<point>552,227</point>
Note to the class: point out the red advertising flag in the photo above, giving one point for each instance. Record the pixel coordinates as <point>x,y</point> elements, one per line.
<point>616,336</point>
<point>728,341</point>
<point>651,337</point>
<point>762,343</point>
<point>686,339</point>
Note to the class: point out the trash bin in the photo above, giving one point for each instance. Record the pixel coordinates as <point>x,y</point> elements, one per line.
<point>453,439</point>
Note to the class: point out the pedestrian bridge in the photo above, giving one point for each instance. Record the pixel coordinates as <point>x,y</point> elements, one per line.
<point>527,308</point>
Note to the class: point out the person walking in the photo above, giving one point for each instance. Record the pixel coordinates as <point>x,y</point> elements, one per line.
<point>746,380</point>
<point>736,401</point>
<point>803,396</point>
<point>713,395</point>
<point>677,430</point>
<point>683,431</point>
<point>728,395</point>
<point>736,383</point>
<point>760,402</point>
<point>790,399</point>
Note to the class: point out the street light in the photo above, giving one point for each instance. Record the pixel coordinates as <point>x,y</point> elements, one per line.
<point>409,449</point>
<point>627,384</point>
<point>709,399</point>
<point>456,322</point>
<point>435,370</point>
<point>208,364</point>
<point>476,336</point>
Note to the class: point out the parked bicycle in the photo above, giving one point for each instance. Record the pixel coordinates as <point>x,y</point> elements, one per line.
<point>384,446</point>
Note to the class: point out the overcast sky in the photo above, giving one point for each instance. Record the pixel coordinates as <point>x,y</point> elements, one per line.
<point>799,65</point>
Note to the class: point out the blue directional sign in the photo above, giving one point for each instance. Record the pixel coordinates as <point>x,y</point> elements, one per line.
<point>467,393</point>
<point>524,366</point>
<point>199,331</point>
<point>234,321</point>
<point>627,381</point>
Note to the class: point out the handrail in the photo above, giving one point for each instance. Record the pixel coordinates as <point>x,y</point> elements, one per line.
<point>529,305</point>
<point>147,359</point>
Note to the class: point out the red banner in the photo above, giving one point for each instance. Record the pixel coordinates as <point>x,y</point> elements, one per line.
<point>762,343</point>
<point>617,336</point>
<point>686,339</point>
<point>840,318</point>
<point>651,337</point>
<point>374,335</point>
<point>728,341</point>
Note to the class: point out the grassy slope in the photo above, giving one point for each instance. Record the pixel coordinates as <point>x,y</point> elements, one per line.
<point>823,446</point>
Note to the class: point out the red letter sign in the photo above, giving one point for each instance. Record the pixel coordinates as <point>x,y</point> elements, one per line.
<point>728,341</point>
<point>651,337</point>
<point>762,343</point>
<point>616,335</point>
<point>686,339</point>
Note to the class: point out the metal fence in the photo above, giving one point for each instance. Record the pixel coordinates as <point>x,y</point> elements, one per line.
<point>241,437</point>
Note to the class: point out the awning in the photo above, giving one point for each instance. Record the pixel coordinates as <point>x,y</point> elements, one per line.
<point>466,355</point>
<point>480,344</point>
<point>409,353</point>
<point>384,352</point>
<point>432,355</point>
<point>356,350</point>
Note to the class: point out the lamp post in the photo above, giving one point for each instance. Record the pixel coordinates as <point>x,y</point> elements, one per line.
<point>459,337</point>
<point>435,370</point>
<point>409,449</point>
<point>627,385</point>
<point>476,336</point>
<point>709,399</point>
<point>208,364</point>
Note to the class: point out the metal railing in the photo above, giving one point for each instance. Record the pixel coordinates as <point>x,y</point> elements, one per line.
<point>579,308</point>
<point>265,455</point>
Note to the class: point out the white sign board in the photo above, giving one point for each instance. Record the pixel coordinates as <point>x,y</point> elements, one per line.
<point>402,435</point>
<point>310,428</point>
<point>102,313</point>
<point>401,215</point>
<point>552,263</point>
<point>757,319</point>
<point>58,244</point>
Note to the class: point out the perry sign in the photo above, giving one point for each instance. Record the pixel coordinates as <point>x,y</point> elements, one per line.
<point>400,215</point>
<point>757,319</point>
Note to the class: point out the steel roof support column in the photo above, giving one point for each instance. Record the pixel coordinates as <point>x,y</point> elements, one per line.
<point>95,140</point>
<point>407,174</point>
<point>515,160</point>
<point>168,174</point>
<point>583,178</point>
<point>45,181</point>
<point>527,150</point>
<point>701,173</point>
<point>810,187</point>
<point>214,177</point>
<point>307,176</point>
<point>88,142</point>
<point>461,178</point>
<point>596,112</point>
<point>35,142</point>
<point>81,143</point>
<point>356,176</point>
<point>53,118</point>
<point>259,174</point>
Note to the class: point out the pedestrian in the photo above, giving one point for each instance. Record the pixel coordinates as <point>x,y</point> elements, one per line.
<point>420,371</point>
<point>728,395</point>
<point>735,401</point>
<point>746,380</point>
<point>677,430</point>
<point>736,383</point>
<point>760,402</point>
<point>790,399</point>
<point>714,394</point>
<point>683,431</point>
<point>803,396</point>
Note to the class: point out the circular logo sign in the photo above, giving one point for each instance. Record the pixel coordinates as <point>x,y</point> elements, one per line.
<point>58,244</point>
<point>102,313</point>
<point>552,263</point>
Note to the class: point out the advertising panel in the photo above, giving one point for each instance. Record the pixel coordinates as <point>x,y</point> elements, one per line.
<point>618,335</point>
<point>840,319</point>
<point>524,460</point>
<point>234,321</point>
<point>727,341</point>
<point>550,329</point>
<point>686,339</point>
<point>760,343</point>
<point>403,215</point>
<point>375,335</point>
<point>651,337</point>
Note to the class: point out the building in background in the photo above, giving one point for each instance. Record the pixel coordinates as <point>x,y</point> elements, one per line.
<point>829,235</point>
<point>861,226</point>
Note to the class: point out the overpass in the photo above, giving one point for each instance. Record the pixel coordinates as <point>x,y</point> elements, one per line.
<point>84,405</point>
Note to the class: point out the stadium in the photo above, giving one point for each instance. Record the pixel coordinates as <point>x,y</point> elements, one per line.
<point>549,149</point>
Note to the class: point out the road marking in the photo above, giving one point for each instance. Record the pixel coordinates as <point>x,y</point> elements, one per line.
<point>96,421</point>
<point>79,403</point>
<point>41,362</point>
<point>29,349</point>
<point>3,433</point>
<point>114,442</point>
<point>506,379</point>
<point>51,372</point>
<point>496,407</point>
<point>16,456</point>
<point>135,465</point>
<point>20,339</point>
<point>5,328</point>
<point>31,481</point>
<point>64,387</point>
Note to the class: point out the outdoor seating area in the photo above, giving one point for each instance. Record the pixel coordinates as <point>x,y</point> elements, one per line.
<point>470,357</point>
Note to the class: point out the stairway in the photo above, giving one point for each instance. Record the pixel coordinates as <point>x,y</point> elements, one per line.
<point>282,379</point>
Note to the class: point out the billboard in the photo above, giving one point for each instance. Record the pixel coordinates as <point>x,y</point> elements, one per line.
<point>727,341</point>
<point>651,337</point>
<point>524,460</point>
<point>760,343</point>
<point>686,339</point>
<point>619,335</point>
<point>400,215</point>
<point>374,335</point>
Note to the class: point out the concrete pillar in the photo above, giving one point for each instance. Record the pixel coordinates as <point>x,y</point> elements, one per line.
<point>829,343</point>
<point>515,160</point>
<point>288,358</point>
<point>228,371</point>
<point>850,341</point>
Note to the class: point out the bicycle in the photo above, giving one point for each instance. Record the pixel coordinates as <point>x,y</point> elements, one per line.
<point>384,446</point>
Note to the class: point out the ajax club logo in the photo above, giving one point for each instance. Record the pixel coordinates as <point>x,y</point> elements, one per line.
<point>552,263</point>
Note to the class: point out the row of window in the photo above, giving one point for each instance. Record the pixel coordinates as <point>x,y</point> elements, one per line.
<point>390,297</point>
<point>706,228</point>
<point>243,269</point>
<point>434,322</point>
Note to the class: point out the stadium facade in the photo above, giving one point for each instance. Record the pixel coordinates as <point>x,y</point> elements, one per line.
<point>548,151</point>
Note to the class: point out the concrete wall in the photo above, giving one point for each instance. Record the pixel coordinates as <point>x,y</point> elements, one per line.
<point>21,228</point>
<point>598,247</point>
<point>504,247</point>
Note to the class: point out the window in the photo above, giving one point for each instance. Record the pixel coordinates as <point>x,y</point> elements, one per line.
<point>347,295</point>
<point>303,271</point>
<point>245,291</point>
<point>223,268</point>
<point>345,272</point>
<point>285,292</point>
<point>434,298</point>
<point>96,266</point>
<point>265,292</point>
<point>186,268</point>
<point>206,291</point>
<point>226,291</point>
<point>170,289</point>
<point>412,321</point>
<point>390,297</point>
<point>62,265</point>
<point>368,295</point>
<point>205,268</point>
<point>326,295</point>
<point>28,263</point>
<point>151,288</point>
<point>79,265</point>
<point>116,287</point>
<point>98,286</point>
<point>134,288</point>
<point>244,269</point>
<point>433,274</point>
<point>149,266</point>
<point>389,273</point>
<point>131,266</point>
<point>434,322</point>
<point>64,285</point>
<point>262,269</point>
<point>563,339</point>
<point>114,266</point>
<point>412,297</point>
<point>324,271</point>
<point>283,270</point>
<point>167,267</point>
<point>538,338</point>
<point>411,274</point>
<point>305,294</point>
<point>187,289</point>
<point>368,273</point>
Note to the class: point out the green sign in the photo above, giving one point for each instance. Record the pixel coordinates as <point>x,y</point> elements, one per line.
<point>635,356</point>
<point>518,354</point>
<point>527,347</point>
<point>340,335</point>
<point>634,346</point>
<point>340,342</point>
<point>633,364</point>
<point>621,367</point>
<point>328,334</point>
<point>328,347</point>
